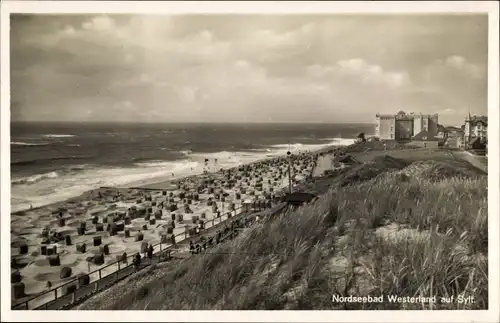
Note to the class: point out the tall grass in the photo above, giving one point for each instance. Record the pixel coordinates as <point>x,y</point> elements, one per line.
<point>424,235</point>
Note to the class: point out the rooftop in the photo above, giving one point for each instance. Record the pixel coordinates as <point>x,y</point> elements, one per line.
<point>475,119</point>
<point>402,114</point>
<point>424,136</point>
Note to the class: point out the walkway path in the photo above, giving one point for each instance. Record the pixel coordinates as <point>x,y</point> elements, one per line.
<point>323,163</point>
<point>480,162</point>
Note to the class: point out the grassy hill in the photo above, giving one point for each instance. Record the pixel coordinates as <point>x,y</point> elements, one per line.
<point>387,227</point>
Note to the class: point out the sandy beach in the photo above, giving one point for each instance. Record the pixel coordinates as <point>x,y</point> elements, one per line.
<point>54,244</point>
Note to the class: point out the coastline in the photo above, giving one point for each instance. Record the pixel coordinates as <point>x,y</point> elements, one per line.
<point>163,180</point>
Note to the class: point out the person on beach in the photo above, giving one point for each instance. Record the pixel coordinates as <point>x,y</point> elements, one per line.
<point>191,247</point>
<point>198,248</point>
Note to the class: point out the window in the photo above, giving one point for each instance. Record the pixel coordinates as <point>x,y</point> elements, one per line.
<point>392,136</point>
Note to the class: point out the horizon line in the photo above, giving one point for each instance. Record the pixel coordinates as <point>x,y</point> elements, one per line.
<point>186,122</point>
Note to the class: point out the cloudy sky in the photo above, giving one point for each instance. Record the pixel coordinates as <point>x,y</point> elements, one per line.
<point>278,68</point>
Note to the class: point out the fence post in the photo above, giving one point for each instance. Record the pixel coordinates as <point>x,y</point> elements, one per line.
<point>118,262</point>
<point>99,274</point>
<point>55,293</point>
<point>73,298</point>
<point>96,288</point>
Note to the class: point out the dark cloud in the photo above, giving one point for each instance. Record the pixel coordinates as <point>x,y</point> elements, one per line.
<point>225,67</point>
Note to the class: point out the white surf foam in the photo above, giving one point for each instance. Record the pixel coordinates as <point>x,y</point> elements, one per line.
<point>34,179</point>
<point>57,136</point>
<point>226,159</point>
<point>20,143</point>
<point>43,189</point>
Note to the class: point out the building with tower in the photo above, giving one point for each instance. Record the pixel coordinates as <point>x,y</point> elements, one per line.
<point>404,126</point>
<point>475,132</point>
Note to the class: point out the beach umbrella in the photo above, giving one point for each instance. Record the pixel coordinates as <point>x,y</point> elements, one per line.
<point>298,198</point>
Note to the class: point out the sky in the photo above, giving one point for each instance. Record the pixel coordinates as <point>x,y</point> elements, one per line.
<point>247,68</point>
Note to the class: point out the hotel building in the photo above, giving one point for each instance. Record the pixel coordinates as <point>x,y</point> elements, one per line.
<point>403,126</point>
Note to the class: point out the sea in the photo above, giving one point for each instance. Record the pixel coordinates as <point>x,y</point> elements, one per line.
<point>51,162</point>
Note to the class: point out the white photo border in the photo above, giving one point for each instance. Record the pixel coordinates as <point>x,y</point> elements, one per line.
<point>249,7</point>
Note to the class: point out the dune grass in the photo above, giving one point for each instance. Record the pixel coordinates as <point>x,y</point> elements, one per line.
<point>409,230</point>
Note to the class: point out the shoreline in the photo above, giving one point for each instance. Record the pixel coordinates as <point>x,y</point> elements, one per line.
<point>143,184</point>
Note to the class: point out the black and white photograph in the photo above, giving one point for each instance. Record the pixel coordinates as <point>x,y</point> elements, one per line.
<point>195,160</point>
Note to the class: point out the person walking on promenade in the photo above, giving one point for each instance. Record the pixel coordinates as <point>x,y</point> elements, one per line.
<point>137,261</point>
<point>172,240</point>
<point>150,252</point>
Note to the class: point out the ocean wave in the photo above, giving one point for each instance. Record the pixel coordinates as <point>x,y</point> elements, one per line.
<point>170,165</point>
<point>57,136</point>
<point>51,175</point>
<point>265,150</point>
<point>294,146</point>
<point>73,145</point>
<point>44,160</point>
<point>152,163</point>
<point>43,189</point>
<point>34,178</point>
<point>20,143</point>
<point>58,186</point>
